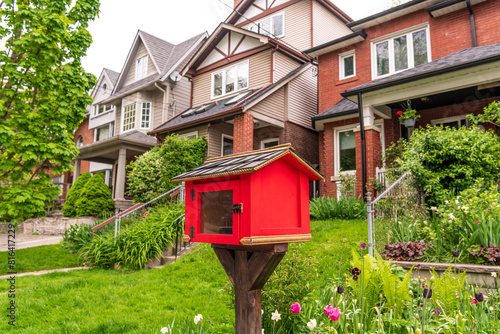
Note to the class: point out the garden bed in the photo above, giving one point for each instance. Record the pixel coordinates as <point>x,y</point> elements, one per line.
<point>479,275</point>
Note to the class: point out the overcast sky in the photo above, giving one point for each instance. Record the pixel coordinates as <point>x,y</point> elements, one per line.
<point>172,20</point>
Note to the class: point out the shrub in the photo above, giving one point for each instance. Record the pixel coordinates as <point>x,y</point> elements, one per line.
<point>331,208</point>
<point>406,251</point>
<point>137,243</point>
<point>80,235</point>
<point>95,198</point>
<point>74,194</point>
<point>150,175</point>
<point>489,254</point>
<point>446,161</point>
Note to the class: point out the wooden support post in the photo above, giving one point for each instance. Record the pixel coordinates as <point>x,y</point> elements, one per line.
<point>248,269</point>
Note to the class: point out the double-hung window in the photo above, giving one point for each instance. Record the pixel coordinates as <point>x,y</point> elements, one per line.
<point>128,117</point>
<point>145,115</point>
<point>227,145</point>
<point>229,80</point>
<point>400,52</point>
<point>141,68</point>
<point>273,26</point>
<point>104,132</point>
<point>347,65</point>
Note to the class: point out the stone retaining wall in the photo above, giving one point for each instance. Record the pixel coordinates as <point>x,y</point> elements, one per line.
<point>54,225</point>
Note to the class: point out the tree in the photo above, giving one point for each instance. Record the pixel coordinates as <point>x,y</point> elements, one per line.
<point>43,95</point>
<point>151,173</point>
<point>74,194</point>
<point>95,198</point>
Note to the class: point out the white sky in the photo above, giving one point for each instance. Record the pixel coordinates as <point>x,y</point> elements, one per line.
<point>172,20</point>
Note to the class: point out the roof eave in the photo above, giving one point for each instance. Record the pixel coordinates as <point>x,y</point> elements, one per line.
<point>345,41</point>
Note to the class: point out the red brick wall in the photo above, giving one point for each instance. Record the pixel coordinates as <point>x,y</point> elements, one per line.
<point>304,141</point>
<point>88,138</point>
<point>373,159</point>
<point>243,133</point>
<point>449,34</point>
<point>267,132</point>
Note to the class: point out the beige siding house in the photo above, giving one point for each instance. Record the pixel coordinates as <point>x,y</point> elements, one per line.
<point>148,92</point>
<point>252,87</point>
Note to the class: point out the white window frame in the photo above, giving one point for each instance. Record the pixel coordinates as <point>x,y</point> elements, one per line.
<point>457,119</point>
<point>79,141</point>
<point>106,109</point>
<point>269,140</point>
<point>110,129</point>
<point>141,71</point>
<point>342,57</point>
<point>223,71</point>
<point>123,130</point>
<point>336,144</point>
<point>193,134</point>
<point>389,38</point>
<point>149,115</point>
<point>222,143</point>
<point>255,26</point>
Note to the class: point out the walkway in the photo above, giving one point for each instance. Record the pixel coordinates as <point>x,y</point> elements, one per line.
<point>27,240</point>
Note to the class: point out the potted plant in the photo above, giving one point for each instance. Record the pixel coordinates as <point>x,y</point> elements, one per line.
<point>408,116</point>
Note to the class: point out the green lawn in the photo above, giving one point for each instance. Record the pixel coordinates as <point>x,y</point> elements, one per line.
<point>118,301</point>
<point>40,258</point>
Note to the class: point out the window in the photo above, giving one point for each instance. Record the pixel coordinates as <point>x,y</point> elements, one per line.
<point>347,151</point>
<point>141,68</point>
<point>102,108</point>
<point>79,141</point>
<point>189,135</point>
<point>145,115</point>
<point>273,26</point>
<point>104,132</point>
<point>227,145</point>
<point>128,117</point>
<point>347,65</point>
<point>400,52</point>
<point>452,122</point>
<point>230,80</point>
<point>269,142</point>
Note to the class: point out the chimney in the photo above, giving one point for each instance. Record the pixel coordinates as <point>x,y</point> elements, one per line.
<point>236,3</point>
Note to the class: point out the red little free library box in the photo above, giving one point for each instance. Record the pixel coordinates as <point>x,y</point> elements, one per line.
<point>252,198</point>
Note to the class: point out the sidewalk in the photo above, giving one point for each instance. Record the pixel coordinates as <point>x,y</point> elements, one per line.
<point>43,272</point>
<point>27,240</point>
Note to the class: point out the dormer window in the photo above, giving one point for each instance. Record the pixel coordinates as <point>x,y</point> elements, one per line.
<point>102,108</point>
<point>141,68</point>
<point>273,26</point>
<point>229,80</point>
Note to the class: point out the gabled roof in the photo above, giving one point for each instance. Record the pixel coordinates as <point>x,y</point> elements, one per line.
<point>112,77</point>
<point>224,107</point>
<point>164,55</point>
<point>459,60</point>
<point>247,162</point>
<point>240,10</point>
<point>223,29</point>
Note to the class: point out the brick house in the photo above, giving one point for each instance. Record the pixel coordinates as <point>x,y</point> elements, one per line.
<point>252,87</point>
<point>127,105</point>
<point>442,56</point>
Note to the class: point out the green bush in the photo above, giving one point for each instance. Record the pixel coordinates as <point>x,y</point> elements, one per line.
<point>74,194</point>
<point>150,175</point>
<point>330,208</point>
<point>95,198</point>
<point>446,161</point>
<point>78,236</point>
<point>136,244</point>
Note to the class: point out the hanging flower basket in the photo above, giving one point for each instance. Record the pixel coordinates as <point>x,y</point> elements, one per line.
<point>409,122</point>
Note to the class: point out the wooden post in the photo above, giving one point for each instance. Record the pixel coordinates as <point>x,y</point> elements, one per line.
<point>248,269</point>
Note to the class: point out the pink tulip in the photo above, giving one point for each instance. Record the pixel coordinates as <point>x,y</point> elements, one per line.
<point>295,308</point>
<point>474,301</point>
<point>333,312</point>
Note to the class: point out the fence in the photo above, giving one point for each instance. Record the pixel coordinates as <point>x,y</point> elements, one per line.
<point>402,195</point>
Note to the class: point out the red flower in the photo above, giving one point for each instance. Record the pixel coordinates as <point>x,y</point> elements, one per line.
<point>474,301</point>
<point>400,112</point>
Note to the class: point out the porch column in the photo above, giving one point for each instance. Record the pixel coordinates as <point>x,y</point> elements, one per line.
<point>76,173</point>
<point>243,133</point>
<point>120,174</point>
<point>373,157</point>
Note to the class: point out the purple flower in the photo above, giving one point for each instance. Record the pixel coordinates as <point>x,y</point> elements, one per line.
<point>427,293</point>
<point>418,266</point>
<point>455,253</point>
<point>355,271</point>
<point>355,278</point>
<point>437,312</point>
<point>340,289</point>
<point>479,296</point>
<point>363,246</point>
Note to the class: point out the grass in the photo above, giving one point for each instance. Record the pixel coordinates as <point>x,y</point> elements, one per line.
<point>40,258</point>
<point>119,301</point>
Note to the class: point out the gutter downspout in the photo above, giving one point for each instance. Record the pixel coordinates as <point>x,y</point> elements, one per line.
<point>272,62</point>
<point>472,23</point>
<point>363,143</point>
